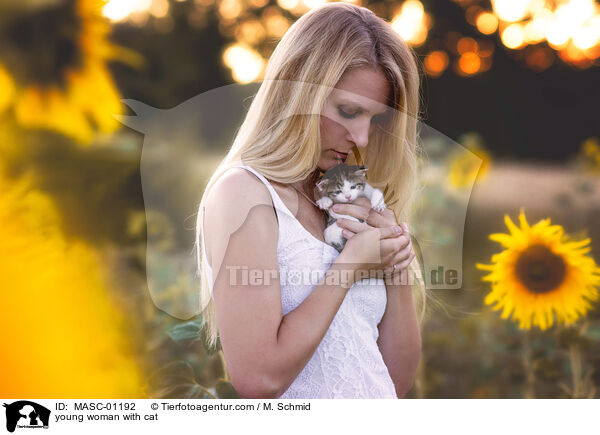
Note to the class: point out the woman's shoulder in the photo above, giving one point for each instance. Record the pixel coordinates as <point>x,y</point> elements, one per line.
<point>238,203</point>
<point>238,198</point>
<point>237,188</point>
<point>234,196</point>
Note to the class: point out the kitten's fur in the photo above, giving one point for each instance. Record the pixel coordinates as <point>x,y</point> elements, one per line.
<point>343,184</point>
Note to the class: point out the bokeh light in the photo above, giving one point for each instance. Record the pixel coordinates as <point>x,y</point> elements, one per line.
<point>513,36</point>
<point>486,23</point>
<point>569,27</point>
<point>117,10</point>
<point>436,63</point>
<point>469,63</point>
<point>510,10</point>
<point>411,22</point>
<point>246,64</point>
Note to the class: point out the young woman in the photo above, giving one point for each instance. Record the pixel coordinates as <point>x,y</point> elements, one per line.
<point>340,80</point>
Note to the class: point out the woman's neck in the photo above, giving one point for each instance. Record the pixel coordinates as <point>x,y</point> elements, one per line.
<point>308,184</point>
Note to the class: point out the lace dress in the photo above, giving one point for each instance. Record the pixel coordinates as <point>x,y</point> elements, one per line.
<point>347,363</point>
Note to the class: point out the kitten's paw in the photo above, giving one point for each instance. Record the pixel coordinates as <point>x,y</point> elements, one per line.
<point>324,203</point>
<point>379,207</point>
<point>377,201</point>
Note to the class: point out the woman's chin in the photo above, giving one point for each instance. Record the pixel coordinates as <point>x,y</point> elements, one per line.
<point>328,164</point>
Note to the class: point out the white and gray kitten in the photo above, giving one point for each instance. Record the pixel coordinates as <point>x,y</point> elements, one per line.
<point>339,185</point>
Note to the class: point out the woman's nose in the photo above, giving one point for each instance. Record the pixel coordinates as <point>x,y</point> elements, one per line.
<point>360,133</point>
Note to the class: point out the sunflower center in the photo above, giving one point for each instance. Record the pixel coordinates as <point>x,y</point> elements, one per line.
<point>40,46</point>
<point>539,269</point>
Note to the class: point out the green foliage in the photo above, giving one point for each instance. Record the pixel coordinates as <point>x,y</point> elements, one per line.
<point>186,331</point>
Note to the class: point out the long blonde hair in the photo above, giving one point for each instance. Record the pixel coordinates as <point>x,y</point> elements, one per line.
<point>305,66</point>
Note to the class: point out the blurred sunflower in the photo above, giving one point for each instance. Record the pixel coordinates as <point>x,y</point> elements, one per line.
<point>64,331</point>
<point>541,274</point>
<point>589,154</point>
<point>468,167</point>
<point>53,68</point>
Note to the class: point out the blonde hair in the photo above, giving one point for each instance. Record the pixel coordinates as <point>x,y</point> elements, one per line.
<point>297,82</point>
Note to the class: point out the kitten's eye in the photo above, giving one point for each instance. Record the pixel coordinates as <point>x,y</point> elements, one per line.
<point>353,187</point>
<point>337,192</point>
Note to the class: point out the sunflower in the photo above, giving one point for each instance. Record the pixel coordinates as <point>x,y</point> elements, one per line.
<point>63,330</point>
<point>589,154</point>
<point>53,68</point>
<point>541,274</point>
<point>471,165</point>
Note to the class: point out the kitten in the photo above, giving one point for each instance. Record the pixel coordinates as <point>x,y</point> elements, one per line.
<point>343,184</point>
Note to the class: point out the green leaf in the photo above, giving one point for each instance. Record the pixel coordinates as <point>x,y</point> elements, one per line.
<point>186,331</point>
<point>593,332</point>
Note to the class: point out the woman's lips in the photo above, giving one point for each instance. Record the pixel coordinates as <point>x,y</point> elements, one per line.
<point>339,155</point>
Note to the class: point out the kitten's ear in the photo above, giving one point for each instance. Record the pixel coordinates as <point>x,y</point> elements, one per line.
<point>361,170</point>
<point>322,184</point>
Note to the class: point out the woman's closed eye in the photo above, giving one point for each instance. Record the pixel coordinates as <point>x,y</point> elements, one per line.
<point>377,119</point>
<point>347,115</point>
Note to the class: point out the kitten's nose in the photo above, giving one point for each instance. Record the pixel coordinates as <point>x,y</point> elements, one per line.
<point>348,196</point>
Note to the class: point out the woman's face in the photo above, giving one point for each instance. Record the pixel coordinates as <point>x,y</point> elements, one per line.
<point>358,101</point>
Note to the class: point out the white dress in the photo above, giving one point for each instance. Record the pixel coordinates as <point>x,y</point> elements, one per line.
<point>347,364</point>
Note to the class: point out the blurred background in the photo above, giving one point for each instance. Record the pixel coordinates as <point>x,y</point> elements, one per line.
<point>513,81</point>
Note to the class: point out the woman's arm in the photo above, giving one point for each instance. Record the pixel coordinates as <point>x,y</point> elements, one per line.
<point>264,350</point>
<point>399,337</point>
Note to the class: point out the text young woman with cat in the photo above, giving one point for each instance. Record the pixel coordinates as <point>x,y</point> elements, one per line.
<point>336,336</point>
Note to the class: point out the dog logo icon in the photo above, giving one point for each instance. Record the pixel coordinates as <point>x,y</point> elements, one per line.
<point>26,414</point>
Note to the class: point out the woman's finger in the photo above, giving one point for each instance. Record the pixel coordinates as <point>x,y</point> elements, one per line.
<point>396,258</point>
<point>354,210</point>
<point>402,256</point>
<point>355,227</point>
<point>391,252</point>
<point>348,234</point>
<point>377,220</point>
<point>406,262</point>
<point>389,232</point>
<point>396,243</point>
<point>401,264</point>
<point>405,227</point>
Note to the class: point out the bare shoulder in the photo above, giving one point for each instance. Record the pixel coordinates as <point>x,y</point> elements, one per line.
<point>237,188</point>
<point>237,198</point>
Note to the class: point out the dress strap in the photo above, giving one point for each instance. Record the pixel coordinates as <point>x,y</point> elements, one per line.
<point>277,201</point>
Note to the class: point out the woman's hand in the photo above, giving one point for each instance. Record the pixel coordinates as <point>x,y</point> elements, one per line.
<point>368,254</point>
<point>395,249</point>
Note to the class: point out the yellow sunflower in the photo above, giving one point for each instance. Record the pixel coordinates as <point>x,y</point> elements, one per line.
<point>53,69</point>
<point>590,154</point>
<point>64,330</point>
<point>541,274</point>
<point>466,167</point>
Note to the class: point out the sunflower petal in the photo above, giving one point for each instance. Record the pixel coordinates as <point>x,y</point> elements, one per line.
<point>514,230</point>
<point>505,239</point>
<point>523,220</point>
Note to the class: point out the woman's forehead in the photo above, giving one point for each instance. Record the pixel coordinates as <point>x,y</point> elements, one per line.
<point>364,87</point>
